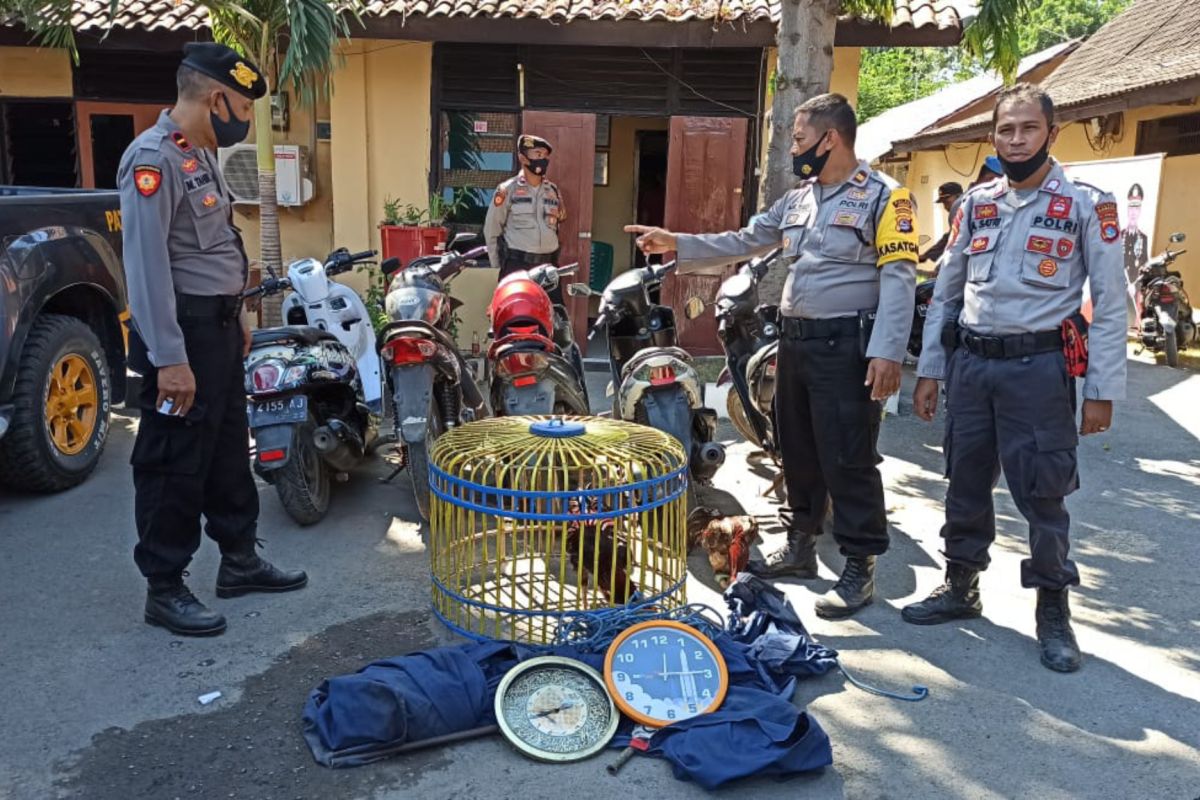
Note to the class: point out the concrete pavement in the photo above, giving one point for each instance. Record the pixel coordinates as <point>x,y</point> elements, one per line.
<point>100,706</point>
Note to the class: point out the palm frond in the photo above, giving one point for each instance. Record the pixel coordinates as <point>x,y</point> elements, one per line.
<point>49,21</point>
<point>994,37</point>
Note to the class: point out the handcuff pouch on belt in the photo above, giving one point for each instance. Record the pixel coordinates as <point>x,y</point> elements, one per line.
<point>1075,344</point>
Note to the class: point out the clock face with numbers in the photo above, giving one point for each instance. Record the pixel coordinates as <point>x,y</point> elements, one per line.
<point>555,709</point>
<point>662,671</point>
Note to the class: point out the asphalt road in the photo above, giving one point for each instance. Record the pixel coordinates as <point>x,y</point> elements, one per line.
<point>98,705</point>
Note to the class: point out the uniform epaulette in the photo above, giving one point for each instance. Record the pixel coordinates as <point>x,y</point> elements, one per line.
<point>980,188</point>
<point>887,180</point>
<point>1096,191</point>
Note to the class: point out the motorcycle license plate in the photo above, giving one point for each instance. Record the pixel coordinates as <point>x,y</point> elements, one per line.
<point>278,411</point>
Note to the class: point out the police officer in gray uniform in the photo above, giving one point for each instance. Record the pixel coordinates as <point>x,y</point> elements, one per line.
<point>185,268</point>
<point>1021,248</point>
<point>521,229</point>
<point>849,235</point>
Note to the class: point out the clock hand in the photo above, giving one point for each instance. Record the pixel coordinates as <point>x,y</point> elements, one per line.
<point>563,707</point>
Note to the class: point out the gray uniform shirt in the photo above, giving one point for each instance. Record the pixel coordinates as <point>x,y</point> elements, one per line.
<point>1018,265</point>
<point>526,216</point>
<point>178,234</point>
<point>850,247</point>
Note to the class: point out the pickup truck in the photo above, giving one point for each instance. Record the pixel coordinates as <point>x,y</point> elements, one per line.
<point>62,336</point>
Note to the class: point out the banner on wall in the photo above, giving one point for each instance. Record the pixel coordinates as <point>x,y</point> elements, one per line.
<point>1135,183</point>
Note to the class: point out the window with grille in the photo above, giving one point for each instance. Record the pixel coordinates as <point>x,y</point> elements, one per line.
<point>477,154</point>
<point>1175,136</point>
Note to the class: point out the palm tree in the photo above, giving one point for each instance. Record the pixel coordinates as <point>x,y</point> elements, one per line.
<point>805,41</point>
<point>293,42</point>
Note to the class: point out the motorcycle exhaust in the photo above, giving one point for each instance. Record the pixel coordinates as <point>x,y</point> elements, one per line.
<point>338,445</point>
<point>706,460</point>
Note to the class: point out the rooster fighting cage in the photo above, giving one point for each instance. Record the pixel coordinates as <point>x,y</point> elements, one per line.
<point>534,521</point>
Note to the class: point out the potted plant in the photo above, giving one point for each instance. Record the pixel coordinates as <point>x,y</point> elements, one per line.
<point>409,231</point>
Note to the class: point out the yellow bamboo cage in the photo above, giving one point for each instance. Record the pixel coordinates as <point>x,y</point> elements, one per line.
<point>535,520</point>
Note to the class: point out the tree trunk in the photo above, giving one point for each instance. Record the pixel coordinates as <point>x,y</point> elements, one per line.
<point>270,250</point>
<point>805,41</point>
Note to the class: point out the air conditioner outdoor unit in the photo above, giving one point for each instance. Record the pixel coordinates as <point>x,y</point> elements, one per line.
<point>239,167</point>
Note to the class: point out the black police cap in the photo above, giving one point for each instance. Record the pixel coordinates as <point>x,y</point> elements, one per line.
<point>224,65</point>
<point>528,142</point>
<point>949,189</point>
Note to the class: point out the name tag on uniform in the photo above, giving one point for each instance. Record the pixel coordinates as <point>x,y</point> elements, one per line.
<point>194,183</point>
<point>858,194</point>
<point>848,218</point>
<point>522,200</point>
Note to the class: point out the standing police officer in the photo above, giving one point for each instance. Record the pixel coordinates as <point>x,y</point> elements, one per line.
<point>185,267</point>
<point>521,229</point>
<point>850,236</point>
<point>1022,248</point>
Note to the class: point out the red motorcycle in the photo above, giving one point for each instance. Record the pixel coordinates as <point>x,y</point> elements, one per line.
<point>533,365</point>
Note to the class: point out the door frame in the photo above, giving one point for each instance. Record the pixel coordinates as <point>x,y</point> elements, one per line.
<point>144,116</point>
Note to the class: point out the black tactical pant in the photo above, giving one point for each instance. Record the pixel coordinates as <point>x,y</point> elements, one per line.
<point>1019,414</point>
<point>828,428</point>
<point>513,260</point>
<point>187,468</point>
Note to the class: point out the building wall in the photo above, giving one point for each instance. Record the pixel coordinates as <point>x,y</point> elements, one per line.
<point>35,72</point>
<point>1178,198</point>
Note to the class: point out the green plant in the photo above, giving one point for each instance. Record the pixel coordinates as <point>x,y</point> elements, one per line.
<point>438,211</point>
<point>375,296</point>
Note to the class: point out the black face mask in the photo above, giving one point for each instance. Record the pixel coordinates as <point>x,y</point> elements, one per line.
<point>538,166</point>
<point>808,164</point>
<point>1018,171</point>
<point>229,132</point>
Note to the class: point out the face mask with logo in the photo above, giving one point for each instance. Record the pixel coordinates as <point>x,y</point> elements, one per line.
<point>1018,171</point>
<point>538,166</point>
<point>228,132</point>
<point>808,164</point>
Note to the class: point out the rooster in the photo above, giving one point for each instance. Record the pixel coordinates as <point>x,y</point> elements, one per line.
<point>590,537</point>
<point>726,539</point>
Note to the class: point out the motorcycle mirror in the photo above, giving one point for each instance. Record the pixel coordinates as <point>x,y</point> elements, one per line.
<point>579,290</point>
<point>923,238</point>
<point>389,266</point>
<point>463,236</point>
<point>693,308</point>
<point>1178,237</point>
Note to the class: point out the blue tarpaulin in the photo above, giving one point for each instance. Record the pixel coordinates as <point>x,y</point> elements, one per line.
<point>355,719</point>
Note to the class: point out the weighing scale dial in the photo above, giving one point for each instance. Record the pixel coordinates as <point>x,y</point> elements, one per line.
<point>555,709</point>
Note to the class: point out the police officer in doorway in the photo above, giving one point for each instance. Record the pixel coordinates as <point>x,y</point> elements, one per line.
<point>849,236</point>
<point>1004,334</point>
<point>947,197</point>
<point>185,268</point>
<point>521,229</point>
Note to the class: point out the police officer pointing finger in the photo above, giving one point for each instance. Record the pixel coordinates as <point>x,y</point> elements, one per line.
<point>849,235</point>
<point>185,268</point>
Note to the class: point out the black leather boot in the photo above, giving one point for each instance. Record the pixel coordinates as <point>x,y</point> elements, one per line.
<point>797,558</point>
<point>854,590</point>
<point>243,572</point>
<point>956,598</point>
<point>1059,650</point>
<point>171,605</point>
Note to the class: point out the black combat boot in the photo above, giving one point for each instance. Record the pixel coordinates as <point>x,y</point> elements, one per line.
<point>171,605</point>
<point>1059,650</point>
<point>243,572</point>
<point>956,598</point>
<point>796,558</point>
<point>854,590</point>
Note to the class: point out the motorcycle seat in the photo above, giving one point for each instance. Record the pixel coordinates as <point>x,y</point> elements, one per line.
<point>301,334</point>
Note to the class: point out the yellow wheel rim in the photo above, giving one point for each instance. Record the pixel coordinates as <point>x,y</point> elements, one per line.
<point>72,404</point>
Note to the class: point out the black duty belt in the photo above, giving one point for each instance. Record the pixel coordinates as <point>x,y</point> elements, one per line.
<point>800,328</point>
<point>218,306</point>
<point>1014,345</point>
<point>530,259</point>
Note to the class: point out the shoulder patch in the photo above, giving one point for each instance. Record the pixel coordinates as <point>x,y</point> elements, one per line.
<point>896,234</point>
<point>500,196</point>
<point>1106,214</point>
<point>147,178</point>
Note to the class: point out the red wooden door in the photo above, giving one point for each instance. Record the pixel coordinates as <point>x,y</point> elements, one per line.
<point>573,137</point>
<point>706,161</point>
<point>104,131</point>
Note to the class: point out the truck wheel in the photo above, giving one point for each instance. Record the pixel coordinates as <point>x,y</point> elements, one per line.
<point>63,396</point>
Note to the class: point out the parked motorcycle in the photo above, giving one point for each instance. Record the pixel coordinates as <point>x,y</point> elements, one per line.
<point>1166,318</point>
<point>426,375</point>
<point>653,380</point>
<point>313,385</point>
<point>749,334</point>
<point>534,365</point>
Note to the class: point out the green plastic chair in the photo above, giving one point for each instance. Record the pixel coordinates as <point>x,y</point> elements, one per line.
<point>602,266</point>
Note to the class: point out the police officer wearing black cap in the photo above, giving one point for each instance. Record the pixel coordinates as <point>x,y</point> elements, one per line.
<point>948,196</point>
<point>521,229</point>
<point>185,267</point>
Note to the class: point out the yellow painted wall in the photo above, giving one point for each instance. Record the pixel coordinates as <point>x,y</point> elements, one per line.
<point>613,205</point>
<point>1179,196</point>
<point>35,72</point>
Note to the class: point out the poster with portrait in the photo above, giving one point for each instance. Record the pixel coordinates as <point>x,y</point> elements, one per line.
<point>1135,184</point>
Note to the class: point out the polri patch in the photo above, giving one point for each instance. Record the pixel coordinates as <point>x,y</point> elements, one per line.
<point>1106,212</point>
<point>1060,207</point>
<point>985,211</point>
<point>498,199</point>
<point>1039,244</point>
<point>147,179</point>
<point>1048,268</point>
<point>1065,248</point>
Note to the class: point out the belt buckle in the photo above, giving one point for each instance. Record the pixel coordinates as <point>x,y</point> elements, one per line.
<point>993,346</point>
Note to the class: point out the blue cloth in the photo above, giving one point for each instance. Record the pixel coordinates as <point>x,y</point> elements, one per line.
<point>355,719</point>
